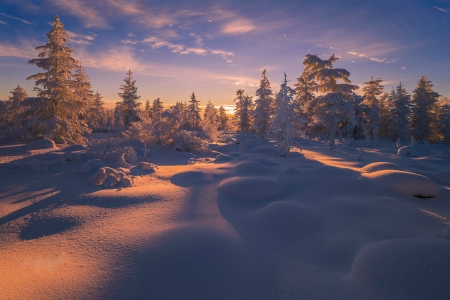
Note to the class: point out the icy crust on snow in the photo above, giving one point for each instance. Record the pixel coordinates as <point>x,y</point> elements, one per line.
<point>380,166</point>
<point>251,188</point>
<point>405,182</point>
<point>409,268</point>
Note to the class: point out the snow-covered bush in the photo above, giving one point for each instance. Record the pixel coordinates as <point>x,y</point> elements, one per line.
<point>110,178</point>
<point>189,141</point>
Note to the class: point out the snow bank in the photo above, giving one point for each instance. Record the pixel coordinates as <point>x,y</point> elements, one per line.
<point>409,268</point>
<point>110,178</point>
<point>414,150</point>
<point>191,178</point>
<point>380,166</point>
<point>75,148</point>
<point>249,145</point>
<point>251,188</point>
<point>222,158</point>
<point>251,167</point>
<point>41,144</point>
<point>405,182</point>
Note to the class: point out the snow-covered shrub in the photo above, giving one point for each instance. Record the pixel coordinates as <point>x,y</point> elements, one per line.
<point>189,141</point>
<point>109,178</point>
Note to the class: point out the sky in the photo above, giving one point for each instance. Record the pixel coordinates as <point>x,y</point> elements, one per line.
<point>214,48</point>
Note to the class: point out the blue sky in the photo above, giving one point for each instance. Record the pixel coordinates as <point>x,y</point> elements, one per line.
<point>213,48</point>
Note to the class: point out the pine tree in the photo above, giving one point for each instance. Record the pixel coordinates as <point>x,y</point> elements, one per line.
<point>157,110</point>
<point>444,120</point>
<point>55,113</point>
<point>385,108</point>
<point>336,106</point>
<point>283,120</point>
<point>84,94</point>
<point>243,111</point>
<point>424,114</point>
<point>263,113</point>
<point>400,113</point>
<point>223,119</point>
<point>371,111</point>
<point>148,109</point>
<point>129,105</point>
<point>194,111</point>
<point>304,93</point>
<point>210,122</point>
<point>98,119</point>
<point>14,107</point>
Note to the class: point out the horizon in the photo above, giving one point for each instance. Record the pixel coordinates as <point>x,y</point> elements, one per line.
<point>214,49</point>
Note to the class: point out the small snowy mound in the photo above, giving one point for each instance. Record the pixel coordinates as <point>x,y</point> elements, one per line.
<point>110,178</point>
<point>414,150</point>
<point>249,145</point>
<point>251,188</point>
<point>191,178</point>
<point>291,172</point>
<point>380,166</point>
<point>41,144</point>
<point>410,268</point>
<point>147,166</point>
<point>405,182</point>
<point>75,148</point>
<point>222,158</point>
<point>251,167</point>
<point>287,218</point>
<point>264,150</point>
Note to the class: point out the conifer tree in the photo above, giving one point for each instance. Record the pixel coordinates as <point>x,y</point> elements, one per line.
<point>148,109</point>
<point>371,111</point>
<point>263,113</point>
<point>283,120</point>
<point>444,120</point>
<point>84,94</point>
<point>14,107</point>
<point>157,110</point>
<point>223,119</point>
<point>55,113</point>
<point>210,122</point>
<point>336,105</point>
<point>129,106</point>
<point>97,112</point>
<point>304,93</point>
<point>243,111</point>
<point>424,114</point>
<point>194,111</point>
<point>385,107</point>
<point>400,113</point>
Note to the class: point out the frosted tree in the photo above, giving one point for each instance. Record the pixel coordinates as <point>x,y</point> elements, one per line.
<point>97,114</point>
<point>84,94</point>
<point>424,110</point>
<point>263,113</point>
<point>55,112</point>
<point>210,122</point>
<point>129,106</point>
<point>400,113</point>
<point>444,120</point>
<point>193,111</point>
<point>148,109</point>
<point>157,110</point>
<point>283,119</point>
<point>243,111</point>
<point>371,111</point>
<point>385,108</point>
<point>14,107</point>
<point>223,119</point>
<point>335,107</point>
<point>304,93</point>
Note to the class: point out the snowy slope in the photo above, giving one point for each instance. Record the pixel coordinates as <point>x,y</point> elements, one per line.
<point>322,224</point>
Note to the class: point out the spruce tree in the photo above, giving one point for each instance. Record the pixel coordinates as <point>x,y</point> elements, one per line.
<point>424,114</point>
<point>55,113</point>
<point>210,121</point>
<point>223,119</point>
<point>243,111</point>
<point>304,93</point>
<point>263,113</point>
<point>283,120</point>
<point>97,113</point>
<point>84,94</point>
<point>444,120</point>
<point>400,113</point>
<point>14,107</point>
<point>157,110</point>
<point>129,105</point>
<point>194,111</point>
<point>385,108</point>
<point>371,104</point>
<point>148,109</point>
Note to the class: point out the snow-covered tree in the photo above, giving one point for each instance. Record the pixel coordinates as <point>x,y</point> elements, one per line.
<point>193,111</point>
<point>304,93</point>
<point>371,104</point>
<point>157,109</point>
<point>243,111</point>
<point>223,119</point>
<point>83,92</point>
<point>129,106</point>
<point>385,110</point>
<point>444,120</point>
<point>210,122</point>
<point>282,126</point>
<point>55,113</point>
<point>335,107</point>
<point>97,113</point>
<point>14,107</point>
<point>424,110</point>
<point>148,109</point>
<point>263,113</point>
<point>400,113</point>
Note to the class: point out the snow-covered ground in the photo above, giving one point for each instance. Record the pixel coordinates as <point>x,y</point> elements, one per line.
<point>231,223</point>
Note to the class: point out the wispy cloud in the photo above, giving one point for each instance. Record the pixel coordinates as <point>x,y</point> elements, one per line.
<point>24,49</point>
<point>240,26</point>
<point>15,18</point>
<point>80,38</point>
<point>375,59</point>
<point>1,22</point>
<point>198,39</point>
<point>440,9</point>
<point>89,16</point>
<point>227,55</point>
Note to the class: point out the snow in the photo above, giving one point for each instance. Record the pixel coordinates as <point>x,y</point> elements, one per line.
<point>230,223</point>
<point>41,144</point>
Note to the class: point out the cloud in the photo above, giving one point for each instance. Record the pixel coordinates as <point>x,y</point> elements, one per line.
<point>89,16</point>
<point>80,39</point>
<point>440,9</point>
<point>198,39</point>
<point>128,42</point>
<point>24,49</point>
<point>227,55</point>
<point>15,18</point>
<point>115,59</point>
<point>378,60</point>
<point>240,26</point>
<point>1,22</point>
<point>175,48</point>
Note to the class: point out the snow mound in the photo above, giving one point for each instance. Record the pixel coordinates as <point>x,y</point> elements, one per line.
<point>405,182</point>
<point>252,167</point>
<point>291,172</point>
<point>409,268</point>
<point>249,145</point>
<point>37,166</point>
<point>77,147</point>
<point>380,166</point>
<point>41,144</point>
<point>264,150</point>
<point>414,150</point>
<point>222,158</point>
<point>191,178</point>
<point>235,154</point>
<point>147,166</point>
<point>251,188</point>
<point>287,218</point>
<point>111,178</point>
